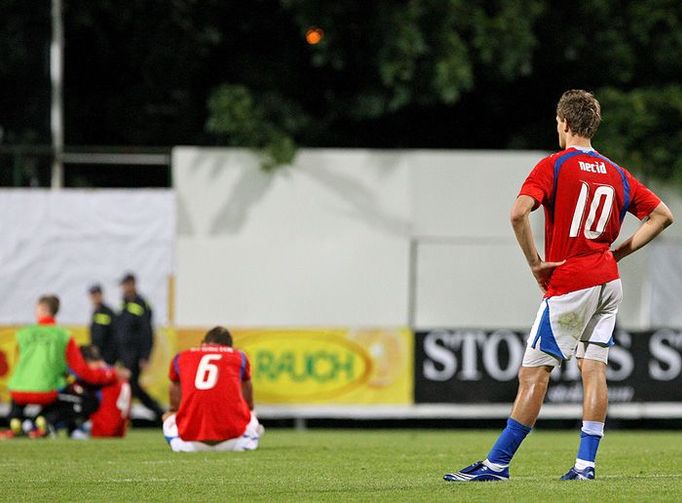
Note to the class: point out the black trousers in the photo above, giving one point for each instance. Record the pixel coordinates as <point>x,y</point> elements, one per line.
<point>69,410</point>
<point>131,361</point>
<point>16,411</point>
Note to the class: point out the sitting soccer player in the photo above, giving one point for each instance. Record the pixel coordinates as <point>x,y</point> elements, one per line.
<point>110,419</point>
<point>211,398</point>
<point>45,355</point>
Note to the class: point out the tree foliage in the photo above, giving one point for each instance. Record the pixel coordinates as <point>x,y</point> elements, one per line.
<point>24,85</point>
<point>643,130</point>
<point>395,54</point>
<point>265,122</point>
<point>387,74</point>
<point>378,58</point>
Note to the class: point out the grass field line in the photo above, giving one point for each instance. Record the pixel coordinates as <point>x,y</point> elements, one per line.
<point>615,477</point>
<point>135,481</point>
<point>530,479</point>
<point>111,480</point>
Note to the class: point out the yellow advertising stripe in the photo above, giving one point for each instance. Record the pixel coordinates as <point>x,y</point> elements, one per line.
<point>334,366</point>
<point>289,366</point>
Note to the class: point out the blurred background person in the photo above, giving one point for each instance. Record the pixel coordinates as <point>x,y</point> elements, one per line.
<point>110,419</point>
<point>84,409</point>
<point>135,339</point>
<point>46,354</point>
<point>102,325</point>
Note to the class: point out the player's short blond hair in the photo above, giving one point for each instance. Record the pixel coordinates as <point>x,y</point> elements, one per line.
<point>581,110</point>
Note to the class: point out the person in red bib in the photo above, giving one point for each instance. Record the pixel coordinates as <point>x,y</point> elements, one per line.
<point>211,397</point>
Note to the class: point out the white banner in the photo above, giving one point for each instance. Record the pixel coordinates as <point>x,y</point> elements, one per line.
<point>665,269</point>
<point>63,241</point>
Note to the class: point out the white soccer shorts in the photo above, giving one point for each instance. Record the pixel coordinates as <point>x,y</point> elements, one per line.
<point>247,442</point>
<point>577,324</point>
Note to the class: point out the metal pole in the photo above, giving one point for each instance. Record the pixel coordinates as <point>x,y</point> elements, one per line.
<point>56,79</point>
<point>412,283</point>
<point>16,170</point>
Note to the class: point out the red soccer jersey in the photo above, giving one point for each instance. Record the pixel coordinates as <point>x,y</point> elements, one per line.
<point>212,407</point>
<point>111,418</point>
<point>585,197</point>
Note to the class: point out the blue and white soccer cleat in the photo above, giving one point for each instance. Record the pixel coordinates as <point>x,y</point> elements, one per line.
<point>573,474</point>
<point>477,472</point>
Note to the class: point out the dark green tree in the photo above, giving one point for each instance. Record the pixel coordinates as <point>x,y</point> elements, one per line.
<point>643,130</point>
<point>376,59</point>
<point>387,74</point>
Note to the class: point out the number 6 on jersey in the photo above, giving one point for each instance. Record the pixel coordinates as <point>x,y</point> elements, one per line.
<point>207,372</point>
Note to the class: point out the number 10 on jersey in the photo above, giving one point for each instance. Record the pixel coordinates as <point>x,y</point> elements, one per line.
<point>603,193</point>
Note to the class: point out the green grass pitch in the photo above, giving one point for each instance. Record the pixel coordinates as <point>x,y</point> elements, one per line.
<point>338,465</point>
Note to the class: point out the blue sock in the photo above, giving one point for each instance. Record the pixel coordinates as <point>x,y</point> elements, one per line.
<point>508,442</point>
<point>590,435</point>
<point>588,447</point>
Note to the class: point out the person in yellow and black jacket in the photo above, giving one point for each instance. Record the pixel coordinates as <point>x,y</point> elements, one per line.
<point>102,326</point>
<point>135,339</point>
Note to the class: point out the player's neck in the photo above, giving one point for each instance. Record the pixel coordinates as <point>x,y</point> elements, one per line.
<point>578,142</point>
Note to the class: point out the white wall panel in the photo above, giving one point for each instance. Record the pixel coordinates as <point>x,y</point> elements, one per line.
<point>63,241</point>
<point>324,243</point>
<point>466,194</point>
<point>474,286</point>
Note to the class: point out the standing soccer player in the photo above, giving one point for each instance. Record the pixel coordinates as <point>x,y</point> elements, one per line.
<point>585,196</point>
<point>211,398</point>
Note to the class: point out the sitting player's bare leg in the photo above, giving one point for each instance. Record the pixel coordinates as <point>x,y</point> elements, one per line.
<point>247,442</point>
<point>533,383</point>
<point>170,432</point>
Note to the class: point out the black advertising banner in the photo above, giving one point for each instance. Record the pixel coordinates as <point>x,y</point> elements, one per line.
<point>479,366</point>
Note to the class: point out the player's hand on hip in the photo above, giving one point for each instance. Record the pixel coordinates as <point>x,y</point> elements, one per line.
<point>543,272</point>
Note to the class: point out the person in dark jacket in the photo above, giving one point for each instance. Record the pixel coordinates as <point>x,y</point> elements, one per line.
<point>102,326</point>
<point>135,338</point>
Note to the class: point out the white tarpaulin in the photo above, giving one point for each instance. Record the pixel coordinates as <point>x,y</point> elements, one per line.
<point>665,268</point>
<point>61,242</point>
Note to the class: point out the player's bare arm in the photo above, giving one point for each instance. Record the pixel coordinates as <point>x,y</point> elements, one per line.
<point>175,396</point>
<point>520,221</point>
<point>657,221</point>
<point>247,393</point>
